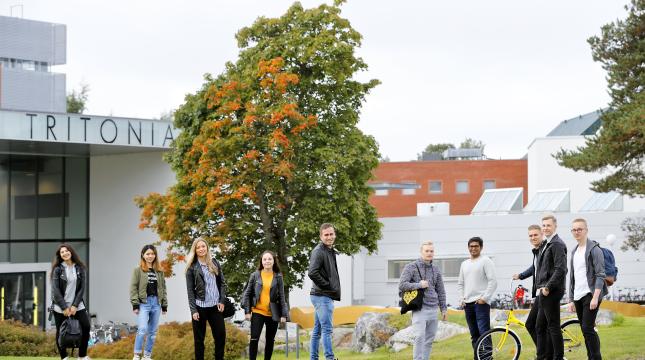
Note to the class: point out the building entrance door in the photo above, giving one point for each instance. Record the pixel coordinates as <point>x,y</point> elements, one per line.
<point>22,297</point>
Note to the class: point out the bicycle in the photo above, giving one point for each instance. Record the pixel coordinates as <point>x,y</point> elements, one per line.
<point>502,342</point>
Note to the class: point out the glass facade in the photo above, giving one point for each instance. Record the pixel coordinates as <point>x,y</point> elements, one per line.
<point>22,297</point>
<point>43,202</point>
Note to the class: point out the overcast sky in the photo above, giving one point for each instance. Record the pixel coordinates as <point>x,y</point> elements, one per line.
<point>502,71</point>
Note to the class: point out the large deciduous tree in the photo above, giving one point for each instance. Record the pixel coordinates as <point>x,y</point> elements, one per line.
<point>269,150</point>
<point>619,146</point>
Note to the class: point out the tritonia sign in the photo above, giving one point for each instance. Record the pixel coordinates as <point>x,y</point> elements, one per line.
<point>85,129</point>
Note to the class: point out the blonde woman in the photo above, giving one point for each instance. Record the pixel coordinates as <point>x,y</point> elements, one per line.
<point>206,293</point>
<point>149,300</point>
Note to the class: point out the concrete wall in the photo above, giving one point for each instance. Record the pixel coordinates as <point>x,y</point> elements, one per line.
<point>505,241</point>
<point>544,173</point>
<point>116,241</point>
<point>32,90</point>
<point>33,40</point>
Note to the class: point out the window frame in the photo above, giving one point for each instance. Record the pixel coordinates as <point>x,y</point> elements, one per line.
<point>459,258</point>
<point>440,182</point>
<point>457,187</point>
<point>489,180</point>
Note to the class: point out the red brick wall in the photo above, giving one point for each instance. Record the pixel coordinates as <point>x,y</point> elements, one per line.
<point>506,173</point>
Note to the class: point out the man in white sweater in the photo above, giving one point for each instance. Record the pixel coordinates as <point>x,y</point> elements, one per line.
<point>476,285</point>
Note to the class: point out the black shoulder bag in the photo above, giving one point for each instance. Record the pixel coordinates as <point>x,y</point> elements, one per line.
<point>412,300</point>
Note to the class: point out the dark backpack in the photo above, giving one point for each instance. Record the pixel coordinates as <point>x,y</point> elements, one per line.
<point>611,271</point>
<point>70,333</point>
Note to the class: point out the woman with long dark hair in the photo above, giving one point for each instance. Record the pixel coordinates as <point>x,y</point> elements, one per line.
<point>148,298</point>
<point>206,293</point>
<point>264,303</point>
<point>68,277</point>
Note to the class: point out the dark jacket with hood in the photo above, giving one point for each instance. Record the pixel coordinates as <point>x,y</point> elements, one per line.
<point>324,272</point>
<point>595,263</point>
<point>59,284</point>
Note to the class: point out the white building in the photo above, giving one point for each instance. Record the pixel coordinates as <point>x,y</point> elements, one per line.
<point>552,189</point>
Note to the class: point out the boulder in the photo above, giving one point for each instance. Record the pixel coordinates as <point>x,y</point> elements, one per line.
<point>371,332</point>
<point>342,337</point>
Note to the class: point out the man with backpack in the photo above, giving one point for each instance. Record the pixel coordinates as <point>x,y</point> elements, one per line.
<point>586,284</point>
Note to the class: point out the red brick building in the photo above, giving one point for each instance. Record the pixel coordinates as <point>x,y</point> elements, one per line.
<point>457,182</point>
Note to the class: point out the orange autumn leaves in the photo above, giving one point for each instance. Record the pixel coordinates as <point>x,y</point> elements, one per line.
<point>250,136</point>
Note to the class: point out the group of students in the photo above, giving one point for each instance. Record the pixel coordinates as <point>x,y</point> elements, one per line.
<point>263,301</point>
<point>477,283</point>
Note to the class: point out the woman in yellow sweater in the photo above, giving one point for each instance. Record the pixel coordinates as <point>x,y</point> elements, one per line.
<point>264,303</point>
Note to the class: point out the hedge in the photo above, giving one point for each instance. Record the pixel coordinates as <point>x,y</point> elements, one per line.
<point>175,341</point>
<point>19,339</point>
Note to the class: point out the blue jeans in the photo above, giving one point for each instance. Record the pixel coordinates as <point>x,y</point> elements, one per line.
<point>147,323</point>
<point>324,310</point>
<point>478,319</point>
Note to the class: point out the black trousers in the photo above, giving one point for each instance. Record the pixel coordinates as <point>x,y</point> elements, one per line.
<point>84,320</point>
<point>216,321</point>
<point>587,319</point>
<point>548,327</point>
<point>531,320</point>
<point>257,321</point>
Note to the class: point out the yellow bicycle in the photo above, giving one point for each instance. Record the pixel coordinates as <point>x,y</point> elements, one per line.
<point>501,342</point>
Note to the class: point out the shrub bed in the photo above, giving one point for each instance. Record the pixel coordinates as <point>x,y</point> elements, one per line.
<point>175,341</point>
<point>18,339</point>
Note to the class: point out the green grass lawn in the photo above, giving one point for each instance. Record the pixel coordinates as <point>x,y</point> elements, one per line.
<point>621,341</point>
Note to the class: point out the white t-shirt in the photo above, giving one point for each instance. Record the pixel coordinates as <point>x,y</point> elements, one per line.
<point>581,287</point>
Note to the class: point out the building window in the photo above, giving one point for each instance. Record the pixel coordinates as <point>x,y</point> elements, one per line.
<point>435,187</point>
<point>395,268</point>
<point>380,192</point>
<point>43,202</point>
<point>449,267</point>
<point>462,187</point>
<point>408,191</point>
<point>489,184</point>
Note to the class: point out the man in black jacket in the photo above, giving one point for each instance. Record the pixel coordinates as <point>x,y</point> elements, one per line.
<point>550,277</point>
<point>323,272</point>
<point>536,238</point>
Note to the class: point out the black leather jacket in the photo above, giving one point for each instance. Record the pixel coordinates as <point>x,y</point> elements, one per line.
<point>552,266</point>
<point>324,272</point>
<point>278,301</point>
<point>196,285</point>
<point>59,284</point>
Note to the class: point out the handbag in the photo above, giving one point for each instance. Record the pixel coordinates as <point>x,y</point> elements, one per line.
<point>412,300</point>
<point>70,333</point>
<point>229,308</point>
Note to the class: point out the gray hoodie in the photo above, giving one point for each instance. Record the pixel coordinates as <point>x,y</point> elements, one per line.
<point>435,294</point>
<point>595,263</point>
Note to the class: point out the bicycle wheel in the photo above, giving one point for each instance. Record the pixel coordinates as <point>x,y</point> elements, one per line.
<point>498,344</point>
<point>574,341</point>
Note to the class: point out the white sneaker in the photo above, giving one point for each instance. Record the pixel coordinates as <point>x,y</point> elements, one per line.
<point>146,357</point>
<point>84,358</point>
<point>136,357</point>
